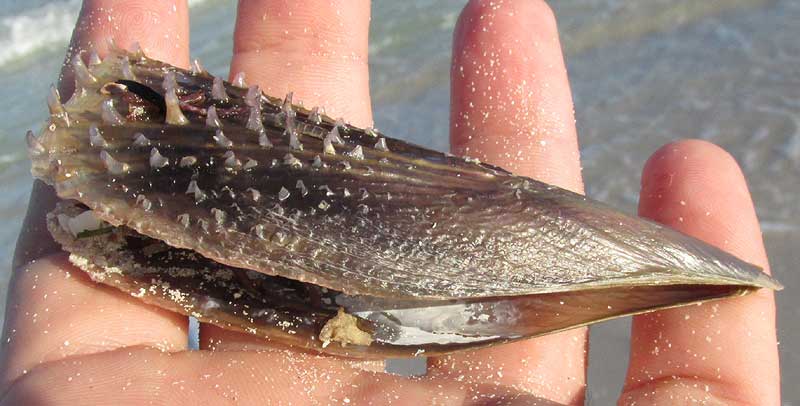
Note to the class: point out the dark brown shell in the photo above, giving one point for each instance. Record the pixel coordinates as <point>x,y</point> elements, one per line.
<point>260,216</point>
<point>373,215</point>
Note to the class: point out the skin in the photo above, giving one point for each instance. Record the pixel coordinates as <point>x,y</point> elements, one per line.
<point>67,340</point>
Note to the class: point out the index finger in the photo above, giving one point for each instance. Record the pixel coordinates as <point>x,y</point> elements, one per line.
<point>54,310</point>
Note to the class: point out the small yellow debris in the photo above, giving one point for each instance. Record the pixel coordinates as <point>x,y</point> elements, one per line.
<point>343,328</point>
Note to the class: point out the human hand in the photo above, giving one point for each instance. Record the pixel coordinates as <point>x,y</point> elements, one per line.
<point>68,340</point>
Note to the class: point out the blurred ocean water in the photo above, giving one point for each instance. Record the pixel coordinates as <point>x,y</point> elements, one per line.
<point>643,74</point>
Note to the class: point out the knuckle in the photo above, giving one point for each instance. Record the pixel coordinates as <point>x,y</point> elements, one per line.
<point>29,389</point>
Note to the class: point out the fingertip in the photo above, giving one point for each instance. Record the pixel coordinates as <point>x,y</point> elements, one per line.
<point>529,14</point>
<point>698,188</point>
<point>316,49</point>
<point>511,103</point>
<point>693,158</point>
<point>159,27</point>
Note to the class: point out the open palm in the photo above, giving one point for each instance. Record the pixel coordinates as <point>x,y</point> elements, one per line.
<point>70,341</point>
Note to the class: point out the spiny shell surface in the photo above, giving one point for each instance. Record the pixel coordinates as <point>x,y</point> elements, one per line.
<point>269,186</point>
